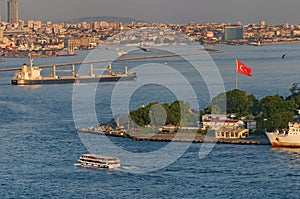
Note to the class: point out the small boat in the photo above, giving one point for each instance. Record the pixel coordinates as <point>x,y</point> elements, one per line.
<point>121,52</point>
<point>97,161</point>
<point>144,49</point>
<point>289,138</point>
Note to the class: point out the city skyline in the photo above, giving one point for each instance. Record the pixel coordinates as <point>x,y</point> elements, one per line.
<point>167,11</point>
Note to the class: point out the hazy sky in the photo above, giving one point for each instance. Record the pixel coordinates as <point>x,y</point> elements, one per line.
<point>168,11</point>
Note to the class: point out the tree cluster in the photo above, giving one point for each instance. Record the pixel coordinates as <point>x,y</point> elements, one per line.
<point>155,114</point>
<point>271,112</point>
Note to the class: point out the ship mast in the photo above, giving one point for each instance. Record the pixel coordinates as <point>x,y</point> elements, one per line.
<point>31,61</point>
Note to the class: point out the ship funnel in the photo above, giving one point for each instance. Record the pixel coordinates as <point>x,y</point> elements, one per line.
<point>24,68</point>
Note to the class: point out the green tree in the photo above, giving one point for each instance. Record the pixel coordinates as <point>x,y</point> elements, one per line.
<point>174,113</point>
<point>219,104</point>
<point>236,101</point>
<point>178,113</point>
<point>157,115</point>
<point>295,97</point>
<point>141,116</point>
<point>276,112</point>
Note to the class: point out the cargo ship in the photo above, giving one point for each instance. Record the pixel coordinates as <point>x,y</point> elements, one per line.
<point>31,75</point>
<point>288,138</point>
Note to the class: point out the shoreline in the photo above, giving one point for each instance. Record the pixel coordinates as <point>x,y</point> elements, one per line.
<point>262,44</point>
<point>208,50</point>
<point>178,137</point>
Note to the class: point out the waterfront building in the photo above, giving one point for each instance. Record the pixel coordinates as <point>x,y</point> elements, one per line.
<point>49,23</point>
<point>1,34</point>
<point>95,25</point>
<point>30,24</point>
<point>84,25</point>
<point>12,11</point>
<point>250,125</point>
<point>214,117</point>
<point>233,33</point>
<point>72,43</point>
<point>230,133</point>
<point>84,43</point>
<point>219,124</point>
<point>104,24</point>
<point>295,33</point>
<point>239,23</point>
<point>21,24</point>
<point>262,24</point>
<point>34,25</point>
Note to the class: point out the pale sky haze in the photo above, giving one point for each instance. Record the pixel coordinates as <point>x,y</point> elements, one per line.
<point>167,11</point>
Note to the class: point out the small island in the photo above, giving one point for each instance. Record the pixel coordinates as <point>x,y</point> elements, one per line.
<point>234,117</point>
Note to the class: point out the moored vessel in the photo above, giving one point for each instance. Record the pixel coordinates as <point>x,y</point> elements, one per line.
<point>288,138</point>
<point>32,76</point>
<point>97,161</point>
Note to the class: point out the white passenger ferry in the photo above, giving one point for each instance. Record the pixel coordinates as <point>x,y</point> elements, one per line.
<point>290,138</point>
<point>97,161</point>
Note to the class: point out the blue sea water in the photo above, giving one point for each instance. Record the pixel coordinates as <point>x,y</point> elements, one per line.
<point>40,144</point>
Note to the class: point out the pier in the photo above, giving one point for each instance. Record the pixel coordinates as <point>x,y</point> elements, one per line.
<point>174,137</point>
<point>182,137</point>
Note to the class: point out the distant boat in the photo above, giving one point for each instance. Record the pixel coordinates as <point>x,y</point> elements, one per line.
<point>256,43</point>
<point>289,138</point>
<point>144,49</point>
<point>121,52</point>
<point>283,56</point>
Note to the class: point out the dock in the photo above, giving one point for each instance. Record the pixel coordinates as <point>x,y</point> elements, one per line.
<point>182,137</point>
<point>173,137</point>
<point>105,130</point>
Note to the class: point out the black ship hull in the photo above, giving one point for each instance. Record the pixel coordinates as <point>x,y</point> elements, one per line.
<point>72,80</point>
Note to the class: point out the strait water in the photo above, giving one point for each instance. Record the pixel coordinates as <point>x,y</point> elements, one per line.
<point>39,142</point>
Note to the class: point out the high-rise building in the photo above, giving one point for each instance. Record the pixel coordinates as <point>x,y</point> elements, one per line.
<point>233,33</point>
<point>12,11</point>
<point>1,34</point>
<point>262,24</point>
<point>0,12</point>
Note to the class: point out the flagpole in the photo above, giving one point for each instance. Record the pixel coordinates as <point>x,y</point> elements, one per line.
<point>236,76</point>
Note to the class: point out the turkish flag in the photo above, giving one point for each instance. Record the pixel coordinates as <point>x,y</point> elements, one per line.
<point>243,69</point>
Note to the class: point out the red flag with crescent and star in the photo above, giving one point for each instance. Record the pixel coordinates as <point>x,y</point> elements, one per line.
<point>243,69</point>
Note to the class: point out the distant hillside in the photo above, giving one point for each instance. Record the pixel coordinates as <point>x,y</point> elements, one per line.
<point>110,19</point>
